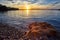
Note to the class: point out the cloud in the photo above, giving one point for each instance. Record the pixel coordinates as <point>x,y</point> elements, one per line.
<point>57,6</point>
<point>42,2</point>
<point>9,0</point>
<point>53,3</point>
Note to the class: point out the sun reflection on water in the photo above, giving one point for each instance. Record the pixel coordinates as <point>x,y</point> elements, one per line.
<point>27,12</point>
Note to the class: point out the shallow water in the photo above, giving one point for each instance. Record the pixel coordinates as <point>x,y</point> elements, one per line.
<point>24,17</point>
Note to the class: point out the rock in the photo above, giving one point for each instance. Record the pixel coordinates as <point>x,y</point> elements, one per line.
<point>1,38</point>
<point>36,31</point>
<point>9,33</point>
<point>5,8</point>
<point>40,30</point>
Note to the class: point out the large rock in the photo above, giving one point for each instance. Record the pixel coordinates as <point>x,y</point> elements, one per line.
<point>41,31</point>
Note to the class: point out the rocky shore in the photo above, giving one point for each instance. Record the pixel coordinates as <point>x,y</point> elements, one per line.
<point>9,33</point>
<point>36,31</point>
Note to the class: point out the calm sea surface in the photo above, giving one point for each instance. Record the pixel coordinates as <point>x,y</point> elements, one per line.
<point>24,17</point>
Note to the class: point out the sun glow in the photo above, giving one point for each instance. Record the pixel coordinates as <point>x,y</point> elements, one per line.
<point>27,8</point>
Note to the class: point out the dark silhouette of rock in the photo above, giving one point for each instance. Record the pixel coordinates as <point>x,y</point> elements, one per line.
<point>4,8</point>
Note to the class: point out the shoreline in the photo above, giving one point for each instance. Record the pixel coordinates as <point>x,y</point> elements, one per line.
<point>7,32</point>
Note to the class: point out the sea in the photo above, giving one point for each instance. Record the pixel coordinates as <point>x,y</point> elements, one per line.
<point>22,18</point>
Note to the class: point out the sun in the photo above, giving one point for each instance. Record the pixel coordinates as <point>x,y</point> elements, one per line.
<point>27,7</point>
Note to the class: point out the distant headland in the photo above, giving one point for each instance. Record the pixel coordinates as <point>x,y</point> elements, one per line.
<point>5,8</point>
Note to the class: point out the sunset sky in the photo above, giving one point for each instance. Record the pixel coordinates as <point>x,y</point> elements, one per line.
<point>32,3</point>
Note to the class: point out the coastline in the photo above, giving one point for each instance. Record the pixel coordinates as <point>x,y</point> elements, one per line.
<point>10,33</point>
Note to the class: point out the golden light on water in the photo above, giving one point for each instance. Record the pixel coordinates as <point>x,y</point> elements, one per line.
<point>27,12</point>
<point>27,9</point>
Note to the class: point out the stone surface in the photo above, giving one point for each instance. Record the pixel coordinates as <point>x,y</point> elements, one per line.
<point>41,31</point>
<point>36,31</point>
<point>9,33</point>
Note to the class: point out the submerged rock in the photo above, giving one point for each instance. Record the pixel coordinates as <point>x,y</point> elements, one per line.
<point>41,31</point>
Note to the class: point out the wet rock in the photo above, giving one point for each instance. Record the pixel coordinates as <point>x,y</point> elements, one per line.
<point>9,33</point>
<point>41,31</point>
<point>1,38</point>
<point>36,31</point>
